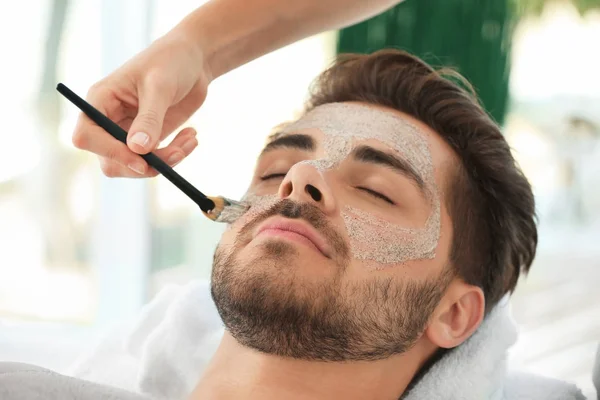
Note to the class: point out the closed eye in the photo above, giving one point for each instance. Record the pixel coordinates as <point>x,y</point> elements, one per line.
<point>367,190</point>
<point>376,194</point>
<point>273,176</point>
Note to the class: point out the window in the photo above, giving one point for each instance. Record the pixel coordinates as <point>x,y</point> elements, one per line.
<point>47,189</point>
<point>554,129</point>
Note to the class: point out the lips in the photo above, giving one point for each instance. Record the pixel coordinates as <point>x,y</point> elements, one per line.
<point>295,230</point>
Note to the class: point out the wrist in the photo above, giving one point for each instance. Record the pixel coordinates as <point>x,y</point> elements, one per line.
<point>187,35</point>
<point>198,33</point>
<point>229,39</point>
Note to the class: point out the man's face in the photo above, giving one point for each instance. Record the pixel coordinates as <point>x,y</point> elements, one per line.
<point>343,254</point>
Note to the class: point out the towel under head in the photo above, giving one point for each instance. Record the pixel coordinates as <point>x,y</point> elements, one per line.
<point>28,382</point>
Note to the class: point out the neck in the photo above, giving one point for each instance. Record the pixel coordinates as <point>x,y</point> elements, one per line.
<point>238,372</point>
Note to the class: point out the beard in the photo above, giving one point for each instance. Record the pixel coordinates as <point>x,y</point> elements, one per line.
<point>265,306</point>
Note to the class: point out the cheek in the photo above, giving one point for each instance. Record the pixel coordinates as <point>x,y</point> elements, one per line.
<point>228,237</point>
<point>385,244</point>
<point>446,236</point>
<point>257,205</point>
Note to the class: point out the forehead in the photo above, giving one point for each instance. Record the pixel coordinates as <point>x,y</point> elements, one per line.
<point>335,127</point>
<point>347,123</point>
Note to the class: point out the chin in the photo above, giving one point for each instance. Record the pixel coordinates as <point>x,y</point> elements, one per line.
<point>275,267</point>
<point>272,297</point>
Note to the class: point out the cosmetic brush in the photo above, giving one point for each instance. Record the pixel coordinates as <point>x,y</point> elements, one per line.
<point>219,209</point>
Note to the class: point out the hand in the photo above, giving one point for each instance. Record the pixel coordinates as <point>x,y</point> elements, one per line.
<point>150,96</point>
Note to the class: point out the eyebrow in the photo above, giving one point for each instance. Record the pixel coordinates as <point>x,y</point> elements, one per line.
<point>294,141</point>
<point>369,154</point>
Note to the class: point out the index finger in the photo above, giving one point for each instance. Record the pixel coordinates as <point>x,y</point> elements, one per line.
<point>91,137</point>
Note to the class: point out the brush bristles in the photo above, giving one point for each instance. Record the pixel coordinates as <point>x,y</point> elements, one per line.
<point>225,210</point>
<point>217,210</point>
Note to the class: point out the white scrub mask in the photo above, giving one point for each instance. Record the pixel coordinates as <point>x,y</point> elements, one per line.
<point>372,238</point>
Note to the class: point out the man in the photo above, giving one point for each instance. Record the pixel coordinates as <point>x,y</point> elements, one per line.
<point>383,227</point>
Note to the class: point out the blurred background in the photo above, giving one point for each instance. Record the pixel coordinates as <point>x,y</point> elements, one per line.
<point>80,252</point>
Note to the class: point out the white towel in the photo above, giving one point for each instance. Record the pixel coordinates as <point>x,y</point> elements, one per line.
<point>28,382</point>
<point>165,351</point>
<point>596,372</point>
<point>477,369</point>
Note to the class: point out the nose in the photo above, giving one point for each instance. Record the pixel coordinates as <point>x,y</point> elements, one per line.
<point>305,184</point>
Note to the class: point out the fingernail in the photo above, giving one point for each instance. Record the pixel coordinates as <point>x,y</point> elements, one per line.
<point>189,145</point>
<point>141,139</point>
<point>175,159</point>
<point>136,167</point>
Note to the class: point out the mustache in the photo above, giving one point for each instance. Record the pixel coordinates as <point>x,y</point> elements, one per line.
<point>308,212</point>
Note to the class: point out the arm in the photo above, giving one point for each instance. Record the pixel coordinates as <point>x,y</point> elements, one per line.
<point>156,91</point>
<point>230,39</point>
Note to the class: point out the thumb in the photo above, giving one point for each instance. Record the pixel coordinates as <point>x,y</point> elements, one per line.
<point>146,128</point>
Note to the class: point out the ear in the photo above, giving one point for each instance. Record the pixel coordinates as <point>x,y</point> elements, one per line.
<point>458,315</point>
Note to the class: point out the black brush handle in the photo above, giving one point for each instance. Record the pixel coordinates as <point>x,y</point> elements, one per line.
<point>152,159</point>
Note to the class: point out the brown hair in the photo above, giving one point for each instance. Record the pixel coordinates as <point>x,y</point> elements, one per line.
<point>489,199</point>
